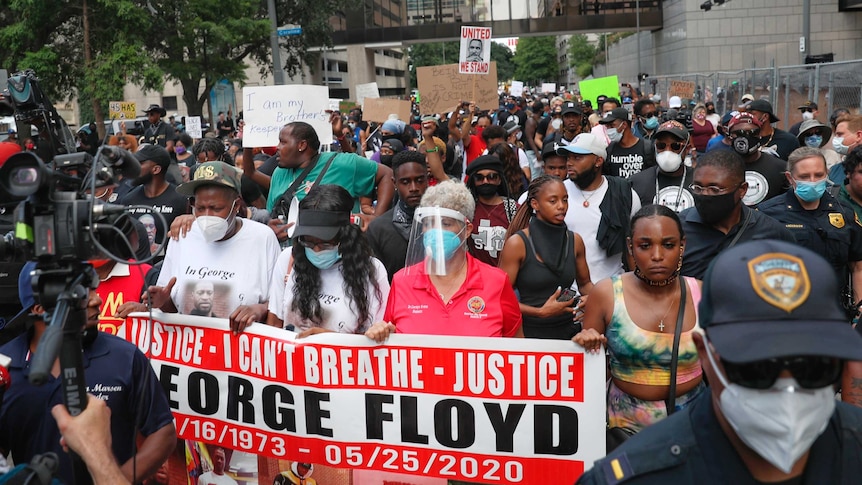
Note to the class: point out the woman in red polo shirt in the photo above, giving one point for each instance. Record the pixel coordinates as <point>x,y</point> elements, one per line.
<point>448,292</point>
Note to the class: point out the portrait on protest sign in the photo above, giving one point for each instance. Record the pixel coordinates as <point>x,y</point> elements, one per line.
<point>475,55</point>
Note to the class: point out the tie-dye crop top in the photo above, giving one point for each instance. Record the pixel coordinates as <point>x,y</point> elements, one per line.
<point>642,356</point>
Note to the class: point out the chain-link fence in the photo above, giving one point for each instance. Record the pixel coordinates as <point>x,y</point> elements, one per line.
<point>830,85</point>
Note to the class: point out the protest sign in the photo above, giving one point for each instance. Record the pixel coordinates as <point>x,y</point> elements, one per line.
<point>122,110</point>
<point>517,88</point>
<point>379,109</point>
<point>193,126</point>
<point>444,88</point>
<point>549,87</point>
<point>593,88</point>
<point>475,57</point>
<point>488,410</point>
<point>368,90</point>
<point>683,89</point>
<point>266,109</point>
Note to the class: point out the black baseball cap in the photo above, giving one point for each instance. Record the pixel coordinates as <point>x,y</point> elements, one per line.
<point>615,114</point>
<point>766,299</point>
<point>763,106</point>
<point>549,149</point>
<point>323,225</point>
<point>156,153</point>
<point>571,107</point>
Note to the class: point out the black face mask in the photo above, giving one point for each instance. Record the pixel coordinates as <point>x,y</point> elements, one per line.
<point>386,160</point>
<point>744,145</point>
<point>487,190</point>
<point>583,180</point>
<point>714,208</point>
<point>710,111</point>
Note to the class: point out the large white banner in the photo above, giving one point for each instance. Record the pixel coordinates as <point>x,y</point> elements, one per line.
<point>266,109</point>
<point>489,410</point>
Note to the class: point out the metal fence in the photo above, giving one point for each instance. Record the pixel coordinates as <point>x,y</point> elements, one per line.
<point>830,85</point>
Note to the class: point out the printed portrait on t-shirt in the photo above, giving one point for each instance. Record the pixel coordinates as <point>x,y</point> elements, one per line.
<point>207,299</point>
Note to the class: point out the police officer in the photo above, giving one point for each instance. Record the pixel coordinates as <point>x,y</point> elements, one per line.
<point>819,221</point>
<point>772,349</point>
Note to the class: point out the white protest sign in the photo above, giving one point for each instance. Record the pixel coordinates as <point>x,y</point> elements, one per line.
<point>475,57</point>
<point>549,87</point>
<point>335,104</point>
<point>504,410</point>
<point>517,88</point>
<point>193,126</point>
<point>266,109</point>
<point>368,90</point>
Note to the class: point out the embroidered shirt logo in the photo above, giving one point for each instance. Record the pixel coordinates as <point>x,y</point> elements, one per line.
<point>780,280</point>
<point>476,305</point>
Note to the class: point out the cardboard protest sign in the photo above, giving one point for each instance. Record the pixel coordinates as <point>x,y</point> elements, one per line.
<point>490,410</point>
<point>517,88</point>
<point>368,90</point>
<point>379,109</point>
<point>593,88</point>
<point>683,89</point>
<point>475,56</point>
<point>266,109</point>
<point>122,110</point>
<point>443,88</point>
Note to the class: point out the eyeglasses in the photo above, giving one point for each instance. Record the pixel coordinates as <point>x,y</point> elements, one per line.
<point>675,146</point>
<point>809,372</point>
<point>710,189</point>
<point>491,177</point>
<point>813,133</point>
<point>316,245</point>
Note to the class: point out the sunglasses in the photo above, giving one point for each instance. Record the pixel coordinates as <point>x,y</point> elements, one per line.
<point>675,146</point>
<point>316,245</point>
<point>491,177</point>
<point>809,372</point>
<point>805,110</point>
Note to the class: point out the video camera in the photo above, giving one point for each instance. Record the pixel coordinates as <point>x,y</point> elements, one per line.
<point>60,224</point>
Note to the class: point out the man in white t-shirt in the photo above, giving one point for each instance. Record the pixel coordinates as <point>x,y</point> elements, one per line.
<point>234,255</point>
<point>217,476</point>
<point>600,207</point>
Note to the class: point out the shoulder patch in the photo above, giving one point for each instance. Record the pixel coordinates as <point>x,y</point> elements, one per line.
<point>617,469</point>
<point>836,219</point>
<point>856,217</point>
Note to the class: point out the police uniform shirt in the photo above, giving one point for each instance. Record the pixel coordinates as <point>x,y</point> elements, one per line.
<point>831,230</point>
<point>690,447</point>
<point>703,242</point>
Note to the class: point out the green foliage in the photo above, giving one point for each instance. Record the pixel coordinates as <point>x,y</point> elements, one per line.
<point>581,51</point>
<point>584,70</point>
<point>536,60</point>
<point>504,58</point>
<point>432,54</point>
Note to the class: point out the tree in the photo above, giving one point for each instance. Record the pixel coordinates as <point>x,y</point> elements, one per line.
<point>431,54</point>
<point>503,56</point>
<point>582,55</point>
<point>536,60</point>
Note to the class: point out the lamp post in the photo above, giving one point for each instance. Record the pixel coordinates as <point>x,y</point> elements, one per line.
<point>638,33</point>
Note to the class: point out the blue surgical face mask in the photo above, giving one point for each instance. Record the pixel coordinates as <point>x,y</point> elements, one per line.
<point>323,259</point>
<point>839,146</point>
<point>441,243</point>
<point>651,123</point>
<point>813,141</point>
<point>810,191</point>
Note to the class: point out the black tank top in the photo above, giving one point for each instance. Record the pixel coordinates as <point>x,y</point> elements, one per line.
<point>536,282</point>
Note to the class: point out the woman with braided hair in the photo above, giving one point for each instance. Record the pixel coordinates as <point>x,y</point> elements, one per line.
<point>544,259</point>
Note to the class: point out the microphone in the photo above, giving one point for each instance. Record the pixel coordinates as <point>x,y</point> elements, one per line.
<point>5,379</point>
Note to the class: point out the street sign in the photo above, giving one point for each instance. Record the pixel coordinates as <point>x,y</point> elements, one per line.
<point>290,32</point>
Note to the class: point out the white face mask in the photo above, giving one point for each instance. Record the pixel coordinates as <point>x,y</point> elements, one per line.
<point>839,146</point>
<point>807,115</point>
<point>780,423</point>
<point>214,228</point>
<point>668,161</point>
<point>556,123</point>
<point>614,135</point>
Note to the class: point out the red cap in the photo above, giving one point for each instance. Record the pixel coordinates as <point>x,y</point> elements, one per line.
<point>743,118</point>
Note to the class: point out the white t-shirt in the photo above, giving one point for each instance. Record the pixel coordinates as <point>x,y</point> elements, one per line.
<point>585,222</point>
<point>338,313</point>
<point>210,478</point>
<point>229,273</point>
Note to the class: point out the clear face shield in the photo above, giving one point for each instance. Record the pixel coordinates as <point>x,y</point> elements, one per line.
<point>437,241</point>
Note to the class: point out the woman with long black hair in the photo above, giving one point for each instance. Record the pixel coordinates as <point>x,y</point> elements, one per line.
<point>328,281</point>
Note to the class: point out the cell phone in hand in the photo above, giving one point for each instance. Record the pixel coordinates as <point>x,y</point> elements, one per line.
<point>569,294</point>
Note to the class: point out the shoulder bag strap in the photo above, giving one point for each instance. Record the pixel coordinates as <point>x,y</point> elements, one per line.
<point>748,212</point>
<point>680,321</point>
<point>324,169</point>
<point>286,198</point>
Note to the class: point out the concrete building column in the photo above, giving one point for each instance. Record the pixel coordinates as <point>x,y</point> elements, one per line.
<point>361,67</point>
